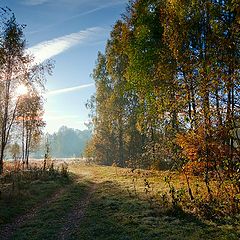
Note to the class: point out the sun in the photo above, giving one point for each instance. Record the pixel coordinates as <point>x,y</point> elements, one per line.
<point>21,90</point>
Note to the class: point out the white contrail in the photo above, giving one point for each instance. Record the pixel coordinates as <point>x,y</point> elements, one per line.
<point>34,2</point>
<point>103,6</point>
<point>72,2</point>
<point>51,48</point>
<point>71,89</point>
<point>85,13</point>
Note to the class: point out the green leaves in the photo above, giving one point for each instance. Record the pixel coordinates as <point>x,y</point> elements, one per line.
<point>169,67</point>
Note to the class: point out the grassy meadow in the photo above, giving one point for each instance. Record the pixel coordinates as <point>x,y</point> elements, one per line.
<point>96,202</point>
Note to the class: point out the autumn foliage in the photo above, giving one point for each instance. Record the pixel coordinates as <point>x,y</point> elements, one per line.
<point>168,93</point>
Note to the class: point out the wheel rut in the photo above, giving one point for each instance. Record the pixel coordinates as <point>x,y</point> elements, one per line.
<point>76,215</point>
<point>7,231</point>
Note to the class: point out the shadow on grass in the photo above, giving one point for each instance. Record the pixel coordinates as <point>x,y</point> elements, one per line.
<point>114,215</point>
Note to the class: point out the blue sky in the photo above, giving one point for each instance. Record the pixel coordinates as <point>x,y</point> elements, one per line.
<point>70,32</point>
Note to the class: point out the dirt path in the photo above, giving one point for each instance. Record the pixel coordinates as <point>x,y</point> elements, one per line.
<point>70,221</point>
<point>7,231</point>
<point>76,215</point>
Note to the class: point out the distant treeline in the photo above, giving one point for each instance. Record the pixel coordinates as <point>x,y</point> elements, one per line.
<point>66,142</point>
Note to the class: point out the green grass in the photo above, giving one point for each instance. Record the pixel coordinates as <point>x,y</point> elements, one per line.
<point>119,209</point>
<point>49,220</point>
<point>114,215</point>
<point>27,194</point>
<point>117,213</point>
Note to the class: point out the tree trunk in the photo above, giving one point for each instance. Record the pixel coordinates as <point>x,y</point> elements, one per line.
<point>219,116</point>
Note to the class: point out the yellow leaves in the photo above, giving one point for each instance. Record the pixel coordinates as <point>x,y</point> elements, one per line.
<point>139,126</point>
<point>172,2</point>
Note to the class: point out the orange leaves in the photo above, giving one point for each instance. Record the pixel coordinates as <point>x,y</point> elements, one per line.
<point>192,143</point>
<point>195,167</point>
<point>210,152</point>
<point>29,118</point>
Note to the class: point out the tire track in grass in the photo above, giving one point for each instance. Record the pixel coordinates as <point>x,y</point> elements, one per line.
<point>7,231</point>
<point>76,215</point>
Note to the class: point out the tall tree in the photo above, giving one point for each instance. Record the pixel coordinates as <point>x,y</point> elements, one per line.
<point>12,71</point>
<point>17,70</point>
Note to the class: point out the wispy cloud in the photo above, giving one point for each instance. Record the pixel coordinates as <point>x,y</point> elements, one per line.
<point>51,48</point>
<point>71,89</point>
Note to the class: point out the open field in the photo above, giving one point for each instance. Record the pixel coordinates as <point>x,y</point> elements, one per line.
<point>96,202</point>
